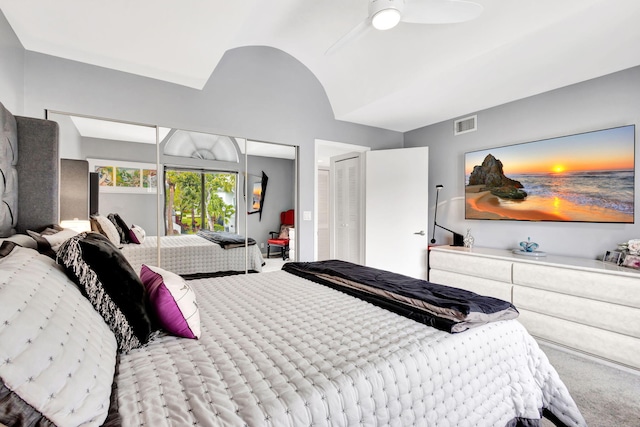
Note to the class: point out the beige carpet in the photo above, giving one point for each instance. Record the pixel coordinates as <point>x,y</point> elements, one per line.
<point>607,396</point>
<point>272,264</point>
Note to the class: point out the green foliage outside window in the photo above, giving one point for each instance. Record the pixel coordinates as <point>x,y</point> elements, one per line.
<point>185,198</point>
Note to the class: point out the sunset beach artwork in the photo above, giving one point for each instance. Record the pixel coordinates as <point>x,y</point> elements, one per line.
<point>587,177</point>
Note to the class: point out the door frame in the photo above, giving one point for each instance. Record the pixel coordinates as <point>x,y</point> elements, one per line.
<point>324,150</point>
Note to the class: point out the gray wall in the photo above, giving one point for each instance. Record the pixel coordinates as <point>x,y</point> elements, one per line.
<point>11,69</point>
<point>139,209</point>
<point>70,138</point>
<point>117,150</point>
<point>605,102</point>
<point>258,93</point>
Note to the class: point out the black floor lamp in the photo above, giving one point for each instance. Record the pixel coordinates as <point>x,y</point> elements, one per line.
<point>458,239</point>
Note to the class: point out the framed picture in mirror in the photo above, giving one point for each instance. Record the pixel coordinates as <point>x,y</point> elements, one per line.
<point>115,176</point>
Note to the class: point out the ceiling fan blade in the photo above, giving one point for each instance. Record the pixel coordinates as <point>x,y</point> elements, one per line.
<point>354,34</point>
<point>440,11</point>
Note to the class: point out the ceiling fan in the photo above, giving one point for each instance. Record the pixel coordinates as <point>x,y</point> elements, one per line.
<point>386,14</point>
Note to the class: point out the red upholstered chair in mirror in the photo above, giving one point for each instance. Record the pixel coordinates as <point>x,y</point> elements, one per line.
<point>280,238</point>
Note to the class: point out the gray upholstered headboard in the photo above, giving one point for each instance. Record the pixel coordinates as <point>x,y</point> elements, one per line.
<point>29,173</point>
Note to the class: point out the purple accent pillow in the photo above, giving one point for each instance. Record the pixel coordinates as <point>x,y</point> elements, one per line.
<point>137,234</point>
<point>173,302</point>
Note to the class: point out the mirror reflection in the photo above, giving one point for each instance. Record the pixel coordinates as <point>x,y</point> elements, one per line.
<point>198,203</point>
<point>199,200</point>
<point>122,155</point>
<point>274,224</point>
<point>201,182</point>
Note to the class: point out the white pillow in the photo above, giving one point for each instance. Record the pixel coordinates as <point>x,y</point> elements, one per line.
<point>55,240</point>
<point>173,301</point>
<point>62,353</point>
<point>103,225</point>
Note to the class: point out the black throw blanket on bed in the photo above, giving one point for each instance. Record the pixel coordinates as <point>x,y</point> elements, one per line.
<point>443,307</point>
<point>224,239</point>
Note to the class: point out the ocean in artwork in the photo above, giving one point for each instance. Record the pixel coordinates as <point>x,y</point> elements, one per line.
<point>605,189</point>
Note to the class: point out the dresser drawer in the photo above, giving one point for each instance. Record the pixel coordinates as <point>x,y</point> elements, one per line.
<point>472,265</point>
<point>488,287</point>
<point>599,342</point>
<point>586,284</point>
<point>599,314</point>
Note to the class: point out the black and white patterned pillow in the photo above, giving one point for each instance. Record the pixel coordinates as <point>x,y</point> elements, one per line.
<point>110,284</point>
<point>121,227</point>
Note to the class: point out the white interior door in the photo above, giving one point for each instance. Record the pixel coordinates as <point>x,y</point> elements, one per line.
<point>347,201</point>
<point>396,205</point>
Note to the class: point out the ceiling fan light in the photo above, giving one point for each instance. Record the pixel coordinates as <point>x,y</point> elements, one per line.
<point>386,19</point>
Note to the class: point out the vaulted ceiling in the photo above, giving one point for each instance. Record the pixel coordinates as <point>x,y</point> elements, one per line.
<point>400,79</point>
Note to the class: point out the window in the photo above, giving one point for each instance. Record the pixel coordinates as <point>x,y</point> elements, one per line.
<point>199,199</point>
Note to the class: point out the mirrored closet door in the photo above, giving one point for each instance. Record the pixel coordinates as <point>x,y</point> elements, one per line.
<point>118,159</point>
<point>272,176</point>
<point>202,175</point>
<point>180,188</point>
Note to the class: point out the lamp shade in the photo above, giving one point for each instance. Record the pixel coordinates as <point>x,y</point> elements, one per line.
<point>76,224</point>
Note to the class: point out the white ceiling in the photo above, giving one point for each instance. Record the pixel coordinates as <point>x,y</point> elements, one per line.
<point>118,131</point>
<point>402,79</point>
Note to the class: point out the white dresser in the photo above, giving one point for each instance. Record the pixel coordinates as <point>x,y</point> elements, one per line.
<point>583,304</point>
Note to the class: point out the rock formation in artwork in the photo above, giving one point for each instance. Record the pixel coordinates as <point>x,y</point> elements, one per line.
<point>490,175</point>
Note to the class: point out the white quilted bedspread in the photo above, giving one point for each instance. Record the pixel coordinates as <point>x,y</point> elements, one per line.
<point>277,350</point>
<point>190,254</point>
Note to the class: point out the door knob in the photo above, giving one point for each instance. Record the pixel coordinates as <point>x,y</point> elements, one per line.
<point>421,232</point>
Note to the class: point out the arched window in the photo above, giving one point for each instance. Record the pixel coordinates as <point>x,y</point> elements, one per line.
<point>182,143</point>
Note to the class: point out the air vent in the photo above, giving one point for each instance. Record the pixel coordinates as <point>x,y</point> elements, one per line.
<point>465,125</point>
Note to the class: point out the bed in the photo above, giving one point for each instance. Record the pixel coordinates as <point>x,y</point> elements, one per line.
<point>190,254</point>
<point>87,341</point>
<point>274,349</point>
<point>206,252</point>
